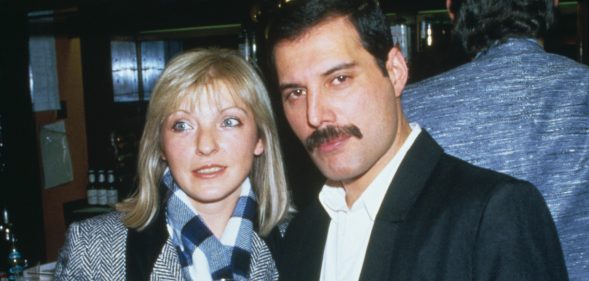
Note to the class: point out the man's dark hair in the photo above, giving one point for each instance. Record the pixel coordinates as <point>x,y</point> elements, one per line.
<point>298,16</point>
<point>480,23</point>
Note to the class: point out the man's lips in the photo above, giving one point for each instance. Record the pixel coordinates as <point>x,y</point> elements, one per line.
<point>209,171</point>
<point>332,144</point>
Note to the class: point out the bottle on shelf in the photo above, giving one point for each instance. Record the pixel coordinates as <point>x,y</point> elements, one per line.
<point>91,191</point>
<point>16,263</point>
<point>102,193</point>
<point>8,228</point>
<point>112,192</point>
<point>5,234</point>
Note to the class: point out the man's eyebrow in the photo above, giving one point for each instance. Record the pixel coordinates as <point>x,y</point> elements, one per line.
<point>283,87</point>
<point>338,67</point>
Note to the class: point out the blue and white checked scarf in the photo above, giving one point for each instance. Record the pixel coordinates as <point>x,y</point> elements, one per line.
<point>202,256</point>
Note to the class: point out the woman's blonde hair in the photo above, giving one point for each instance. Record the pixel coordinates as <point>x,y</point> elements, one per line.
<point>185,77</point>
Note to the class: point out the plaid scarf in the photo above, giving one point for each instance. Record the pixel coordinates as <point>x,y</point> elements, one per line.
<point>202,256</point>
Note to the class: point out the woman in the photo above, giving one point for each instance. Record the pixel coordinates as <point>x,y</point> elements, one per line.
<point>211,182</point>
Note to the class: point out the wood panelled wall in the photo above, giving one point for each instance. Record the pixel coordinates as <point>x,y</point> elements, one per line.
<point>71,93</point>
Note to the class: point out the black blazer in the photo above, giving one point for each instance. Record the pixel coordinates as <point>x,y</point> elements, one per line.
<point>441,219</point>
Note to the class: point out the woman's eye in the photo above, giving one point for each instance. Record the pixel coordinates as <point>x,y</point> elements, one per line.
<point>231,122</point>
<point>181,126</point>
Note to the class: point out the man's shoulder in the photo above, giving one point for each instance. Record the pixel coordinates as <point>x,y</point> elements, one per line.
<point>445,79</point>
<point>501,66</point>
<point>466,172</point>
<point>460,179</point>
<point>566,72</point>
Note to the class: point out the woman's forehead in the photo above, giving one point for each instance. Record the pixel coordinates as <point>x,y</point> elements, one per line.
<point>214,95</point>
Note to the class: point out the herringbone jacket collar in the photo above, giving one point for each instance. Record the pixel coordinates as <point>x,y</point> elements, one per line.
<point>102,248</point>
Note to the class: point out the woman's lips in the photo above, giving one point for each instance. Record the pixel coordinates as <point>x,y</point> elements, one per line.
<point>209,171</point>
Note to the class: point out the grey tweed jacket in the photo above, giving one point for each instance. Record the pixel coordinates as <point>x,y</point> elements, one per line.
<point>525,112</point>
<point>102,248</point>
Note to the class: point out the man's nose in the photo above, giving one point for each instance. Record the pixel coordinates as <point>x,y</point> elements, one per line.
<point>318,109</point>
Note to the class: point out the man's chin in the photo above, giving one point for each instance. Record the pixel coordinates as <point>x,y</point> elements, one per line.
<point>339,174</point>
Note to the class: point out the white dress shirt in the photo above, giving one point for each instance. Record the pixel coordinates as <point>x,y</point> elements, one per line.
<point>350,228</point>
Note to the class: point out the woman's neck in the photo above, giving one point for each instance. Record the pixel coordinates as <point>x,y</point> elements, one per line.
<point>216,214</point>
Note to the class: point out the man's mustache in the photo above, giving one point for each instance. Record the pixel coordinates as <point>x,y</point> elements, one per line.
<point>323,135</point>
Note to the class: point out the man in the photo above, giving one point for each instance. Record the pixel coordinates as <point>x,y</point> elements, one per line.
<point>517,109</point>
<point>395,206</point>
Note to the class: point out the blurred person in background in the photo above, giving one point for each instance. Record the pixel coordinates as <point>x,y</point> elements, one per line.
<point>517,109</point>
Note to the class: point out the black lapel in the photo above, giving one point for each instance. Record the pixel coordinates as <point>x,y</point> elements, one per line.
<point>305,244</point>
<point>143,247</point>
<point>407,185</point>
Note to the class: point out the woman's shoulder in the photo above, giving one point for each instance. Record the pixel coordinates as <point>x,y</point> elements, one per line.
<point>108,225</point>
<point>266,250</point>
<point>93,249</point>
<point>109,219</point>
<point>262,265</point>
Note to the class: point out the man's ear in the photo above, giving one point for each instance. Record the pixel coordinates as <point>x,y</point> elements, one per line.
<point>397,70</point>
<point>451,14</point>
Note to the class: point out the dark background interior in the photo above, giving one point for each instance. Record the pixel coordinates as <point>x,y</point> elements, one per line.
<point>97,22</point>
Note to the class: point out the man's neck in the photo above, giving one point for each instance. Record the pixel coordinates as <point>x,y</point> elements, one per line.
<point>355,187</point>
